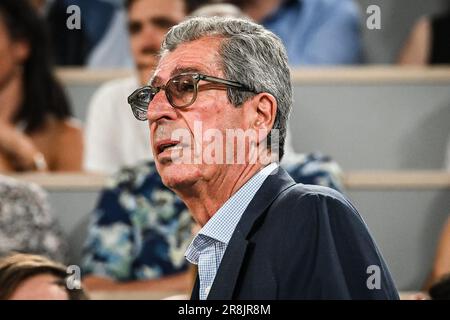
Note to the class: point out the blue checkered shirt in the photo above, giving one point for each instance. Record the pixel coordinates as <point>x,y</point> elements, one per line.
<point>209,245</point>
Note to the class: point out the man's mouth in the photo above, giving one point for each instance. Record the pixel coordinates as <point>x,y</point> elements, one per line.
<point>169,145</point>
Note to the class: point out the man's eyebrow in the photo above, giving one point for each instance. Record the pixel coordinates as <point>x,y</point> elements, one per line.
<point>163,22</point>
<point>179,70</point>
<point>156,80</point>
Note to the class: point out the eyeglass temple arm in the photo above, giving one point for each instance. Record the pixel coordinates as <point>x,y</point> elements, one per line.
<point>225,82</point>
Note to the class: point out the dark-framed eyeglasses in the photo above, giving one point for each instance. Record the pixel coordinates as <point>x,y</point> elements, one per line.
<point>181,91</point>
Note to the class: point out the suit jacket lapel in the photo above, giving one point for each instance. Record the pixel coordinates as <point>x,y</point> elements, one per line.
<point>228,273</point>
<point>195,294</point>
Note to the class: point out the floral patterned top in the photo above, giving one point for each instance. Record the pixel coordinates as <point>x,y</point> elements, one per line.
<point>140,229</point>
<point>26,224</point>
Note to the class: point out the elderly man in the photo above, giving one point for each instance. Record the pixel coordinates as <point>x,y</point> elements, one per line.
<point>263,236</point>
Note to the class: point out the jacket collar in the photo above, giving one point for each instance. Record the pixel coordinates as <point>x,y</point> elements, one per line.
<point>227,275</point>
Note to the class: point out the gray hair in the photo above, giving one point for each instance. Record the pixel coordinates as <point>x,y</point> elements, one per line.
<point>250,54</point>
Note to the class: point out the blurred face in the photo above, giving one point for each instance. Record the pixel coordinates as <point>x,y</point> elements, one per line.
<point>40,287</point>
<point>148,22</point>
<point>38,5</point>
<point>211,110</point>
<point>12,53</point>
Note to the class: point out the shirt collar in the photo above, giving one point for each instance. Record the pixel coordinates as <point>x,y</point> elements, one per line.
<point>222,224</point>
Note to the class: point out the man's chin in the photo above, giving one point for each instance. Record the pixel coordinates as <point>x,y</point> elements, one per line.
<point>178,176</point>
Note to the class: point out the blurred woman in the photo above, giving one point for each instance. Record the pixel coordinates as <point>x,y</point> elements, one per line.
<point>26,222</point>
<point>36,131</point>
<point>33,277</point>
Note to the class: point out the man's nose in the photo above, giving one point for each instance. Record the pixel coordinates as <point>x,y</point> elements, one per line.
<point>160,108</point>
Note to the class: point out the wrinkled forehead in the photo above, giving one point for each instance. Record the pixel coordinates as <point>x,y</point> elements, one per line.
<point>200,56</point>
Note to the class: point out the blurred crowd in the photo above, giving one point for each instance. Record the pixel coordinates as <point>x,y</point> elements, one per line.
<point>139,229</point>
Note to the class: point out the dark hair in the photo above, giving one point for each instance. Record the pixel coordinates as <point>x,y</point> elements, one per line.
<point>128,4</point>
<point>18,267</point>
<point>43,95</point>
<point>441,289</point>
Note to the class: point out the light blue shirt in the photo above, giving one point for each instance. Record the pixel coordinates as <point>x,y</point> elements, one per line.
<point>209,245</point>
<point>318,32</point>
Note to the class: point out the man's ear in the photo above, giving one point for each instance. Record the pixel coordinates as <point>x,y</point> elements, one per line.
<point>21,50</point>
<point>265,109</point>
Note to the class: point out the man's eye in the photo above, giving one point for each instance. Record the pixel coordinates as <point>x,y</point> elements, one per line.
<point>134,27</point>
<point>145,96</point>
<point>181,87</point>
<point>185,86</point>
<point>163,23</point>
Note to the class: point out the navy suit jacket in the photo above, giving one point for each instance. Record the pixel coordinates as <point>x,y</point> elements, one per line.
<point>298,241</point>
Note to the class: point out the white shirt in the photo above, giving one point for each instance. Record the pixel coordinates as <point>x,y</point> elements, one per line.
<point>114,137</point>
